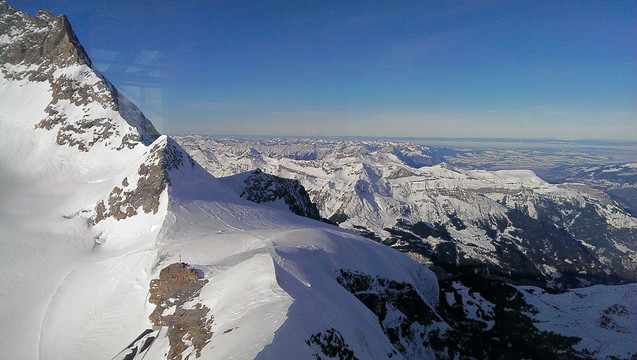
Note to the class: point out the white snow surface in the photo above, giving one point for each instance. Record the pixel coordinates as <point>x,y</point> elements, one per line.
<point>72,289</point>
<point>374,183</point>
<point>54,283</point>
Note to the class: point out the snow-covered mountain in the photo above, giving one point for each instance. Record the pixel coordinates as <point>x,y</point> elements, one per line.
<point>115,243</point>
<point>507,224</point>
<point>110,232</point>
<point>618,180</point>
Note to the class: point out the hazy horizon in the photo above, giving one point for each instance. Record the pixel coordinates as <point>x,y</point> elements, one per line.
<point>625,142</point>
<point>497,69</point>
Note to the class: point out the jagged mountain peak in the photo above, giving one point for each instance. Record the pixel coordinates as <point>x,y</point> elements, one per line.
<point>45,49</point>
<point>226,278</point>
<point>59,44</point>
<point>6,8</point>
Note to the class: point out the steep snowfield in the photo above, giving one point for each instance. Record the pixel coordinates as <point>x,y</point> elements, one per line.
<point>42,184</point>
<point>95,207</point>
<point>116,244</point>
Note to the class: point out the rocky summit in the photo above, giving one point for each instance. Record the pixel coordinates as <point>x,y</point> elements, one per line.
<point>116,243</point>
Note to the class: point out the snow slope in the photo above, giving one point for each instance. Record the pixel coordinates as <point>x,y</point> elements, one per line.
<point>95,205</point>
<point>42,185</point>
<point>115,243</point>
<point>561,235</point>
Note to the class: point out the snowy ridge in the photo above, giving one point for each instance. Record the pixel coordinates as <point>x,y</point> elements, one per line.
<point>494,218</point>
<point>98,212</point>
<point>115,243</point>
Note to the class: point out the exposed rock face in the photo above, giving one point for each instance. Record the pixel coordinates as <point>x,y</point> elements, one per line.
<point>45,49</point>
<point>262,188</point>
<point>188,326</point>
<point>409,323</point>
<point>152,179</point>
<point>331,345</point>
<point>138,346</point>
<point>492,320</point>
<point>51,39</point>
<point>475,318</point>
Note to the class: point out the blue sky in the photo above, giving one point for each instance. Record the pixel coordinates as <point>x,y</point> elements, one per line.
<point>497,69</point>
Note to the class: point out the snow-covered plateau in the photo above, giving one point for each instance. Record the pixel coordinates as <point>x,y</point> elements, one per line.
<point>116,244</point>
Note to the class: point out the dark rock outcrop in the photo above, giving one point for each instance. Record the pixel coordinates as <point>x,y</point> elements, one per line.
<point>152,179</point>
<point>187,326</point>
<point>410,324</point>
<point>330,344</point>
<point>260,187</point>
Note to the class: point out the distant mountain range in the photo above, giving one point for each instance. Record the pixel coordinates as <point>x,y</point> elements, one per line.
<point>115,243</point>
<point>618,180</point>
<point>507,224</point>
